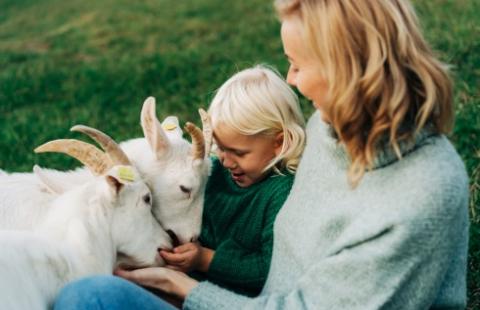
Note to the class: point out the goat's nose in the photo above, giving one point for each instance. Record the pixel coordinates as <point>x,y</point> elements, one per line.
<point>186,190</point>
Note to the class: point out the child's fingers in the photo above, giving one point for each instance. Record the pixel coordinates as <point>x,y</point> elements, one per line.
<point>173,258</point>
<point>170,258</point>
<point>183,248</point>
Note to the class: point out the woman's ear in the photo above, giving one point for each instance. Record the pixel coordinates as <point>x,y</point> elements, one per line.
<point>278,143</point>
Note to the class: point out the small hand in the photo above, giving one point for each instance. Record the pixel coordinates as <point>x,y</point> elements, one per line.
<point>187,257</point>
<point>170,281</point>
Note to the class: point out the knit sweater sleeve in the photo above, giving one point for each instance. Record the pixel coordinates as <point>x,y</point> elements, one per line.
<point>239,266</point>
<point>388,266</point>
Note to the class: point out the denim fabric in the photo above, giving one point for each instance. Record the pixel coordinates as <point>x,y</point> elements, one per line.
<point>107,292</point>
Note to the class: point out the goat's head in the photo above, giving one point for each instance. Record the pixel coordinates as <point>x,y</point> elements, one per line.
<point>136,234</point>
<point>177,171</point>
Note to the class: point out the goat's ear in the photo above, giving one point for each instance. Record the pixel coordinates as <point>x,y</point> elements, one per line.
<point>119,176</point>
<point>114,183</point>
<point>51,184</point>
<point>152,129</point>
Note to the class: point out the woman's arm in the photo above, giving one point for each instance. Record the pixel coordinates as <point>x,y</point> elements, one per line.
<point>388,264</point>
<point>398,266</point>
<point>170,281</point>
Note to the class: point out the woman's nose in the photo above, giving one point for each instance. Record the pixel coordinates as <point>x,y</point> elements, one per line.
<point>291,77</point>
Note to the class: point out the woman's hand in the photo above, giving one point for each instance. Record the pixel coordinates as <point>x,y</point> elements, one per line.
<point>188,257</point>
<point>168,280</point>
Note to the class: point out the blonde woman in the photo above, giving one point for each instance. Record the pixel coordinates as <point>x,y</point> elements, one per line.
<point>377,217</point>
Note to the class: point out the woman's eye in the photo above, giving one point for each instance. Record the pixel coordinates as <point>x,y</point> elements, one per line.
<point>147,199</point>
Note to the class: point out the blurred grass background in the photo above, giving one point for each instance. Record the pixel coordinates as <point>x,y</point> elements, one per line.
<point>94,62</point>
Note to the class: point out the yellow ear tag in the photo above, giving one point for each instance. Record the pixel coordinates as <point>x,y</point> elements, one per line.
<point>126,174</point>
<point>169,127</point>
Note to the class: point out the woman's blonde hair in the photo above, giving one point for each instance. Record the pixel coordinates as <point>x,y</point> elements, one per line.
<point>383,78</point>
<point>258,101</point>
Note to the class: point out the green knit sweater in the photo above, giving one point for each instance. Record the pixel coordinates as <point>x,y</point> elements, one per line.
<point>238,225</point>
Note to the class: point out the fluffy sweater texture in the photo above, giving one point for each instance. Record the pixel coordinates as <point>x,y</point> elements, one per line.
<point>397,241</point>
<point>238,225</point>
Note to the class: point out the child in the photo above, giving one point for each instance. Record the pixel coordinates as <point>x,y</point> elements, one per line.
<point>259,135</point>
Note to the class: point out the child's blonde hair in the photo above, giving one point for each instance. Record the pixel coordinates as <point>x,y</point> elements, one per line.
<point>258,101</point>
<point>383,78</point>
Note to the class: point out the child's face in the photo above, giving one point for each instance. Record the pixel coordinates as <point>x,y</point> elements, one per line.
<point>303,72</point>
<point>245,156</point>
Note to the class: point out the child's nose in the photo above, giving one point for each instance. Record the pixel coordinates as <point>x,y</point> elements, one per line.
<point>228,163</point>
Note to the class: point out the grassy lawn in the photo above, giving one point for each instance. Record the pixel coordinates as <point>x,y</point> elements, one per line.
<point>94,62</point>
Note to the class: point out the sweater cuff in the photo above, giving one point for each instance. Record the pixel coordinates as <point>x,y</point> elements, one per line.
<point>207,296</point>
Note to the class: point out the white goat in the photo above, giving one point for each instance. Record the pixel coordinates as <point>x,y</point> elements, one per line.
<point>87,230</point>
<point>175,170</point>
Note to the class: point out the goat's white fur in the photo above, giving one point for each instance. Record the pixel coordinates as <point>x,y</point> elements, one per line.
<point>83,231</point>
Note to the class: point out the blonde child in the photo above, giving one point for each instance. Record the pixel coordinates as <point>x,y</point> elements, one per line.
<point>259,136</point>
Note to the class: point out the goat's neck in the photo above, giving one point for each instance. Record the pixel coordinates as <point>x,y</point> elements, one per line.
<point>81,222</point>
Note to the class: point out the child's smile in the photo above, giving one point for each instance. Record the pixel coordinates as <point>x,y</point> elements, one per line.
<point>245,156</point>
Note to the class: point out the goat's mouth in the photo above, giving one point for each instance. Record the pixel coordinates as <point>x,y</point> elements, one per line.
<point>173,236</point>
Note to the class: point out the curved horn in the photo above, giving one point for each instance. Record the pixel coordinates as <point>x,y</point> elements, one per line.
<point>198,143</point>
<point>108,144</point>
<point>207,130</point>
<point>89,155</point>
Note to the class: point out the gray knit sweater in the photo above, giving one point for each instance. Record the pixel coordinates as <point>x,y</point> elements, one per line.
<point>397,241</point>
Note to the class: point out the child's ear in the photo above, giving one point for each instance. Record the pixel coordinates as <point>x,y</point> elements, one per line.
<point>278,143</point>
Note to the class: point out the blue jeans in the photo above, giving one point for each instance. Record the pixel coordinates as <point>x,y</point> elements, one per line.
<point>107,292</point>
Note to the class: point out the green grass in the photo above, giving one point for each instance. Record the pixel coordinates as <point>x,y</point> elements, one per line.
<point>90,62</point>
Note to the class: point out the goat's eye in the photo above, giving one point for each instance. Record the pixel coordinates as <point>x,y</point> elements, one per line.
<point>185,189</point>
<point>147,199</point>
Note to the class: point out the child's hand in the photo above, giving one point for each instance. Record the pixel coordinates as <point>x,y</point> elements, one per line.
<point>188,257</point>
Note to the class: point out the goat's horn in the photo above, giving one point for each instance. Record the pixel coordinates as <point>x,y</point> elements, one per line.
<point>89,155</point>
<point>198,143</point>
<point>108,144</point>
<point>207,130</point>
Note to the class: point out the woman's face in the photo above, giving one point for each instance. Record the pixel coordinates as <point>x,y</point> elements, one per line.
<point>303,72</point>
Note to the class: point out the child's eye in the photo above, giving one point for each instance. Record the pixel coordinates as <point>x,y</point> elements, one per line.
<point>240,154</point>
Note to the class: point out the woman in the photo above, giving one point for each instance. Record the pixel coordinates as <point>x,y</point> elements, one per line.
<point>377,216</point>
